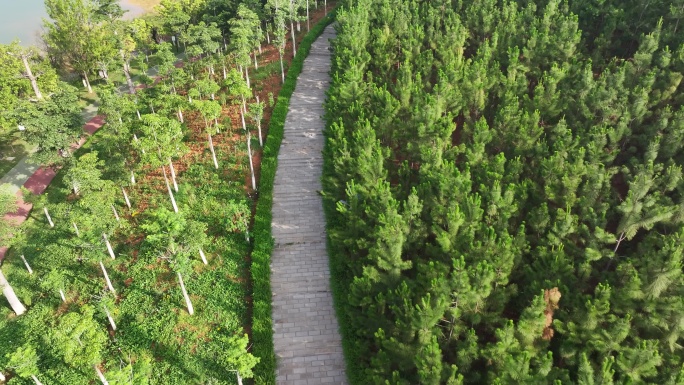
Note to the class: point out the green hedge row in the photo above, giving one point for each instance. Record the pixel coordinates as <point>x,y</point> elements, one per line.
<point>262,323</point>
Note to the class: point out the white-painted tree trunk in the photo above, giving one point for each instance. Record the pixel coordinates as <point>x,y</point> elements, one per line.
<point>109,283</point>
<point>127,73</point>
<point>128,201</point>
<point>109,317</point>
<point>308,27</point>
<point>325,5</point>
<point>2,377</point>
<point>180,115</point>
<point>12,298</point>
<point>299,26</point>
<point>204,257</point>
<point>243,111</point>
<point>28,267</point>
<point>247,77</point>
<point>61,294</point>
<point>87,82</point>
<point>251,163</point>
<point>268,37</point>
<point>32,79</point>
<point>36,380</point>
<point>173,175</point>
<point>101,376</point>
<point>109,246</point>
<point>256,64</point>
<point>225,75</point>
<point>261,140</point>
<point>168,188</point>
<point>135,137</point>
<point>116,214</point>
<point>75,187</point>
<point>239,378</point>
<point>78,233</point>
<point>213,153</point>
<point>138,113</point>
<point>132,177</point>
<point>294,43</point>
<point>47,215</point>
<point>191,310</point>
<point>282,68</point>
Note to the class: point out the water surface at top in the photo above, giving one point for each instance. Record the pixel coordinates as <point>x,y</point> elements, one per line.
<point>23,19</point>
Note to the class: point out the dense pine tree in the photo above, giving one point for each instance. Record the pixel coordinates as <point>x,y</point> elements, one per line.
<point>507,184</point>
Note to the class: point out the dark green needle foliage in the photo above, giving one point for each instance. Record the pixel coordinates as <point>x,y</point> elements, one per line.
<point>504,191</point>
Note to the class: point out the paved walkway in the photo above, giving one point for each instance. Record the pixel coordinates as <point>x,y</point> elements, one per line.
<point>307,342</point>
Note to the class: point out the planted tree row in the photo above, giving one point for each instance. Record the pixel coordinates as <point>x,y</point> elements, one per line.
<point>133,266</point>
<point>505,190</point>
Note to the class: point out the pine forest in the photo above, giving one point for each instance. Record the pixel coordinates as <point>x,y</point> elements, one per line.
<point>504,191</point>
<point>146,259</point>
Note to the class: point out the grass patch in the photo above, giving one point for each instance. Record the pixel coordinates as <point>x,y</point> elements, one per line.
<point>12,149</point>
<point>262,323</point>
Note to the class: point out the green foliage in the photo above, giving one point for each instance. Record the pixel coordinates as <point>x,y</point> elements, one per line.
<point>52,124</point>
<point>484,159</point>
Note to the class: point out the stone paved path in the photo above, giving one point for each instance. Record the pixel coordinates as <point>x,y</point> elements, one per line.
<point>307,342</point>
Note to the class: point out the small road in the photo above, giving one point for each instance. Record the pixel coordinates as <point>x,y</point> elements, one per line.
<point>307,341</point>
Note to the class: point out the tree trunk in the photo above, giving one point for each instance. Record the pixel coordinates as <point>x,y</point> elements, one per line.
<point>225,75</point>
<point>12,298</point>
<point>36,380</point>
<point>261,141</point>
<point>168,188</point>
<point>28,267</point>
<point>109,317</point>
<point>109,246</point>
<point>243,111</point>
<point>251,163</point>
<point>213,153</point>
<point>101,376</point>
<point>116,214</point>
<point>173,175</point>
<point>282,69</point>
<point>180,115</point>
<point>268,37</point>
<point>29,74</point>
<point>204,257</point>
<point>128,201</point>
<point>127,73</point>
<point>299,26</point>
<point>47,215</point>
<point>247,77</point>
<point>61,294</point>
<point>308,27</point>
<point>137,111</point>
<point>106,276</point>
<point>2,377</point>
<point>325,6</point>
<point>191,311</point>
<point>239,378</point>
<point>87,82</point>
<point>132,177</point>
<point>294,43</point>
<point>256,65</point>
<point>78,234</point>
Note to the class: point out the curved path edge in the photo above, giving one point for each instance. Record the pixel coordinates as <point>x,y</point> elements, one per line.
<point>306,334</point>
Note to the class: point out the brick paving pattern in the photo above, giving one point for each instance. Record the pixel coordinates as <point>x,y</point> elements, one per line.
<point>307,341</point>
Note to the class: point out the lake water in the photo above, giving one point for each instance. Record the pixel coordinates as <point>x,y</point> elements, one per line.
<point>23,19</point>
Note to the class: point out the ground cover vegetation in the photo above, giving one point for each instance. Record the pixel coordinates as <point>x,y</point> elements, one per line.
<point>134,266</point>
<point>503,184</point>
